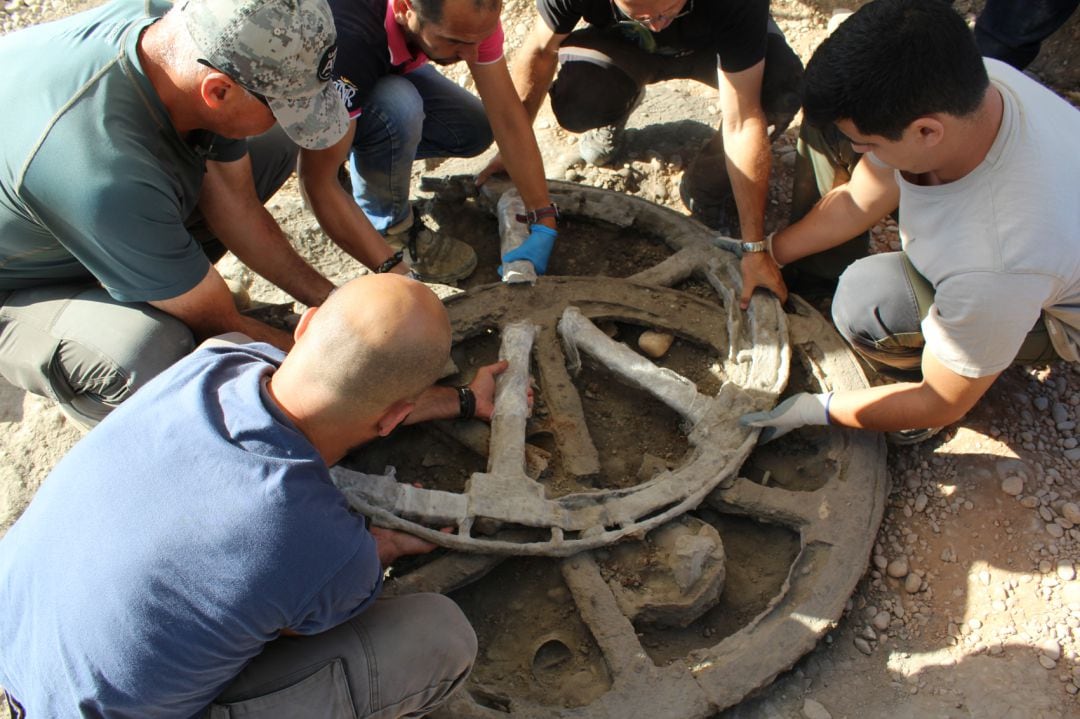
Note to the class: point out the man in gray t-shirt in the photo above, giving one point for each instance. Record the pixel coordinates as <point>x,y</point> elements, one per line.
<point>127,172</point>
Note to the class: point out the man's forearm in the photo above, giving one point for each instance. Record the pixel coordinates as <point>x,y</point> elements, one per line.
<point>533,72</point>
<point>267,251</point>
<point>749,161</point>
<point>345,223</point>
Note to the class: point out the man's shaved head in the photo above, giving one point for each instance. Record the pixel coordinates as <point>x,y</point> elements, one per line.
<point>377,340</point>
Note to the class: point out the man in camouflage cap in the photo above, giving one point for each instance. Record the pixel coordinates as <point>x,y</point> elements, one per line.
<point>129,173</point>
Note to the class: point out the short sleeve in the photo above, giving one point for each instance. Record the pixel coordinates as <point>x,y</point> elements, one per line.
<point>349,591</point>
<point>491,48</point>
<point>971,331</point>
<point>742,34</point>
<point>560,15</point>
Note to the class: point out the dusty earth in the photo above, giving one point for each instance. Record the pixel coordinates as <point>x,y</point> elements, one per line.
<point>970,606</point>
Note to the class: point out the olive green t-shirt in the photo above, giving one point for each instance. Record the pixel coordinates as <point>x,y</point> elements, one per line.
<point>95,183</point>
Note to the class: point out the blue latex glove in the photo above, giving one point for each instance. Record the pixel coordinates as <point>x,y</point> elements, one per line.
<point>794,412</point>
<point>536,248</point>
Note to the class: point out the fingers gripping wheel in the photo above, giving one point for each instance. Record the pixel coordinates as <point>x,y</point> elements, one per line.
<point>555,325</point>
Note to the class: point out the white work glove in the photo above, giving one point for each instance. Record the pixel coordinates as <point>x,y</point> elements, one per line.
<point>796,411</point>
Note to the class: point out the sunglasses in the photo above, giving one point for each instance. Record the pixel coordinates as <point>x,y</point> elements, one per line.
<point>261,98</point>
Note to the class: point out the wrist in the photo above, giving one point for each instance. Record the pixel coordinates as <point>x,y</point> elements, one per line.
<point>550,213</point>
<point>466,402</point>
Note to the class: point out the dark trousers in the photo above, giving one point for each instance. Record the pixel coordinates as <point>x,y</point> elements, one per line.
<point>602,74</point>
<point>1013,30</point>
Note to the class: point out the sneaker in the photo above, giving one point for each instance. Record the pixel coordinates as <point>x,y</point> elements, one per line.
<point>705,189</point>
<point>433,257</point>
<point>598,146</point>
<point>906,437</point>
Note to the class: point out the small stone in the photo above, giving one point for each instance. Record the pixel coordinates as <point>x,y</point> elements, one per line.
<point>974,624</point>
<point>1071,512</point>
<point>912,583</point>
<point>1055,530</point>
<point>1012,486</point>
<point>1041,403</point>
<point>881,621</point>
<point>898,568</point>
<point>1047,662</point>
<point>920,502</point>
<point>813,710</point>
<point>984,577</point>
<point>655,344</point>
<point>1066,571</point>
<point>863,646</point>
<point>1029,502</point>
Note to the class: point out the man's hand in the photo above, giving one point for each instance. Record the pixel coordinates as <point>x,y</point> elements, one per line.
<point>483,387</point>
<point>391,544</point>
<point>495,166</point>
<point>797,411</point>
<point>760,270</point>
<point>536,248</point>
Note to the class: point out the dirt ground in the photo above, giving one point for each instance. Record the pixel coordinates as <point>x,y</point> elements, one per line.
<point>970,606</point>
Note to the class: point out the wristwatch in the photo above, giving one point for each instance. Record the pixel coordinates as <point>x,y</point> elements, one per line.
<point>759,246</point>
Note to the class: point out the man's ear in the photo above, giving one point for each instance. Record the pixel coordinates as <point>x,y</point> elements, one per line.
<point>305,320</point>
<point>400,8</point>
<point>930,130</point>
<point>394,415</point>
<point>215,89</point>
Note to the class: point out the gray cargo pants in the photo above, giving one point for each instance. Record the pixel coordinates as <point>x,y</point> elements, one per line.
<point>88,352</point>
<point>879,307</point>
<point>402,657</point>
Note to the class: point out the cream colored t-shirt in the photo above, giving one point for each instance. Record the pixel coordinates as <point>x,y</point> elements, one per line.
<point>1002,244</point>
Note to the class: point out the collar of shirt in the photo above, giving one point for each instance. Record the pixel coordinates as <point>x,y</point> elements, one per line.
<point>400,55</point>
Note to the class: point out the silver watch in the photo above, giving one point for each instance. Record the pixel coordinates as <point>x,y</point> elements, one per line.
<point>759,246</point>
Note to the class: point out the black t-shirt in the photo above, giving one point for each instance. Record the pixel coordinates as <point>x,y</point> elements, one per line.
<point>363,54</point>
<point>734,29</point>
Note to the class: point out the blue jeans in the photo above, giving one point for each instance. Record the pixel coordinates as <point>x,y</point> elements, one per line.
<point>410,117</point>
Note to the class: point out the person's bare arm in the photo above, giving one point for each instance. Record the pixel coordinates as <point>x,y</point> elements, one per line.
<point>391,544</point>
<point>744,132</point>
<point>533,71</point>
<point>337,212</point>
<point>943,397</point>
<point>238,219</point>
<point>440,402</point>
<point>846,211</point>
<point>208,309</point>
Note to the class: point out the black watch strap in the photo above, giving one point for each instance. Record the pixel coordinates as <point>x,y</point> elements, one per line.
<point>466,402</point>
<point>533,216</point>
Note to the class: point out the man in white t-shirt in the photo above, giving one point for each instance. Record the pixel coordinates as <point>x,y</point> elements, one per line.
<point>984,165</point>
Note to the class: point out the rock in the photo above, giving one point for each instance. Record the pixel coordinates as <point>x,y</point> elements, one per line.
<point>655,344</point>
<point>912,583</point>
<point>1041,403</point>
<point>898,568</point>
<point>813,710</point>
<point>1066,571</point>
<point>1073,455</point>
<point>984,578</point>
<point>1029,502</point>
<point>1059,412</point>
<point>1047,662</point>
<point>920,502</point>
<point>881,621</point>
<point>863,646</point>
<point>1012,486</point>
<point>1055,530</point>
<point>1071,512</point>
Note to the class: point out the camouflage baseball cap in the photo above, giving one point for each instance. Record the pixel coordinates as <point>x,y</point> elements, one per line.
<point>282,50</point>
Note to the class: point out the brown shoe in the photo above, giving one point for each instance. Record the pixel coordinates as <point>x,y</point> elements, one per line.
<point>434,257</point>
